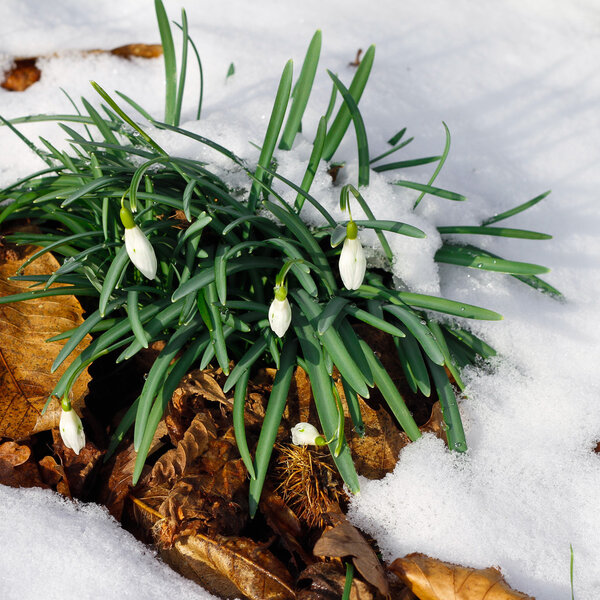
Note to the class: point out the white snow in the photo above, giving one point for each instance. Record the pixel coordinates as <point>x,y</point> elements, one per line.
<point>56,549</point>
<point>518,85</point>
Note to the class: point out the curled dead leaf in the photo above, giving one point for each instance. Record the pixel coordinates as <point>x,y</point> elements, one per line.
<point>26,358</point>
<point>345,540</point>
<point>432,579</point>
<point>22,74</point>
<point>176,462</point>
<point>54,475</point>
<point>16,468</point>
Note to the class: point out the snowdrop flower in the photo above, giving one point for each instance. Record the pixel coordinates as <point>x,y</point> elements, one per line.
<point>352,259</point>
<point>71,429</point>
<point>138,247</point>
<point>280,312</point>
<point>304,434</point>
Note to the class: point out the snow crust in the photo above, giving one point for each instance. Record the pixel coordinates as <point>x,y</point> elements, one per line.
<point>518,86</point>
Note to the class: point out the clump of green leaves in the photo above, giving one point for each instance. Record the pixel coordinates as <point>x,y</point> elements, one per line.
<point>219,258</point>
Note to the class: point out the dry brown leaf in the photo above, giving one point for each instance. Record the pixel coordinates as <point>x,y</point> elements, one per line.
<point>25,356</point>
<point>326,581</point>
<point>432,579</point>
<point>117,474</point>
<point>200,486</point>
<point>78,468</point>
<point>24,72</point>
<point>345,540</point>
<point>138,51</point>
<point>16,468</point>
<point>253,570</point>
<point>205,385</point>
<point>21,75</point>
<point>283,522</point>
<point>175,462</point>
<point>54,475</point>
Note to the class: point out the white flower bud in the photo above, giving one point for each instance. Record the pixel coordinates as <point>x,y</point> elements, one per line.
<point>352,264</point>
<point>71,430</point>
<point>140,251</point>
<point>280,316</point>
<point>304,434</point>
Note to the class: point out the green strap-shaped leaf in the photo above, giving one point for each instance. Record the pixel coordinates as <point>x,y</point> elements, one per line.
<point>342,120</point>
<point>330,313</point>
<point>455,432</point>
<point>370,319</point>
<point>273,414</point>
<point>301,92</point>
<point>516,210</point>
<point>333,344</point>
<point>313,163</point>
<point>80,332</point>
<point>449,363</point>
<point>468,256</point>
<point>118,265</point>
<point>273,129</point>
<point>166,39</point>
<point>428,189</point>
<point>496,231</point>
<point>156,377</point>
<point>418,327</point>
<point>320,382</point>
<point>450,307</point>
<point>239,425</point>
<point>354,408</point>
<point>245,363</point>
<point>439,167</point>
<point>217,338</point>
<point>405,164</point>
<point>390,393</point>
<point>359,127</point>
<point>134,318</point>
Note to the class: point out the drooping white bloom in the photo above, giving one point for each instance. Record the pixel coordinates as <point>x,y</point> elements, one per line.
<point>304,434</point>
<point>280,316</point>
<point>352,263</point>
<point>140,251</point>
<point>71,430</point>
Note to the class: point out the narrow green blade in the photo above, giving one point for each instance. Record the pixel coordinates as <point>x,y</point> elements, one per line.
<point>468,256</point>
<point>361,133</point>
<point>516,210</point>
<point>342,120</point>
<point>302,92</point>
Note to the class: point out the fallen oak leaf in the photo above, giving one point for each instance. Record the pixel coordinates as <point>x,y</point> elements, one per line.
<point>345,540</point>
<point>253,570</point>
<point>224,565</point>
<point>432,579</point>
<point>26,358</point>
